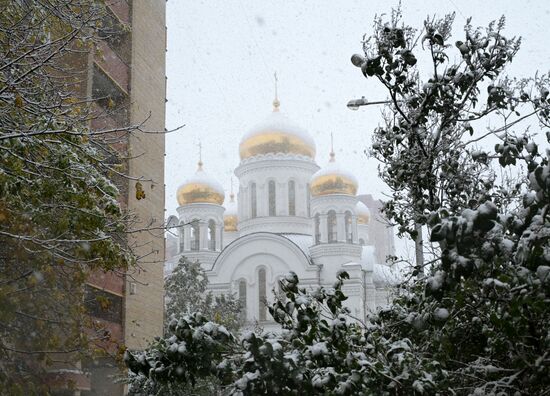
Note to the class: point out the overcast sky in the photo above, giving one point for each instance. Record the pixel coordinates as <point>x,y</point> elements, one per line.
<point>222,55</point>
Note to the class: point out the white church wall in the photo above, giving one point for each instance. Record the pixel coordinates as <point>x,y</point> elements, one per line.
<point>363,234</point>
<point>243,259</point>
<point>229,237</point>
<point>281,169</point>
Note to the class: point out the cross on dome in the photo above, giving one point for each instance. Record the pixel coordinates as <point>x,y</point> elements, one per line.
<point>276,102</point>
<point>200,156</point>
<point>200,188</point>
<point>275,135</point>
<point>332,179</point>
<point>232,195</point>
<point>332,155</point>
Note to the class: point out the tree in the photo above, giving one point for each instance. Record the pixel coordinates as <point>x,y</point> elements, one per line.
<point>476,324</point>
<point>60,216</point>
<point>187,293</point>
<point>488,276</point>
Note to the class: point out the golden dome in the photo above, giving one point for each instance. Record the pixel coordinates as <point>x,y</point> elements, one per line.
<point>230,218</point>
<point>276,135</point>
<point>333,180</point>
<point>200,189</point>
<point>362,212</point>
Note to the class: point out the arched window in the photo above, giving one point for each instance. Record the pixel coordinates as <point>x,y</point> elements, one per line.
<point>272,199</point>
<point>317,222</point>
<point>291,198</point>
<point>181,235</point>
<point>361,242</point>
<point>195,235</point>
<point>347,223</point>
<point>242,298</point>
<point>211,235</point>
<point>253,202</point>
<point>262,297</point>
<point>331,226</point>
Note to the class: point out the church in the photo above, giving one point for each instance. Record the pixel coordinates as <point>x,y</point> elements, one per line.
<point>289,215</point>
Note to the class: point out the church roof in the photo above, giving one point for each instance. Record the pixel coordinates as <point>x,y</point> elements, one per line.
<point>200,188</point>
<point>333,179</point>
<point>300,240</point>
<point>363,213</point>
<point>230,216</point>
<point>277,134</point>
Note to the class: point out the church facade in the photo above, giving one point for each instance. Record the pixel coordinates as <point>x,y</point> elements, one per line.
<point>289,215</point>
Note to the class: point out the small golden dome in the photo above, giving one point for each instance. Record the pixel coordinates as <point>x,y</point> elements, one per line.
<point>333,180</point>
<point>230,218</point>
<point>276,135</point>
<point>200,189</point>
<point>362,212</point>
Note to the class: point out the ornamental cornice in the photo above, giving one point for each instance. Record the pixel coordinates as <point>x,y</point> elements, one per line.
<point>279,224</point>
<point>334,199</point>
<point>205,257</point>
<point>279,161</point>
<point>335,249</point>
<point>278,157</point>
<point>339,202</point>
<point>201,210</point>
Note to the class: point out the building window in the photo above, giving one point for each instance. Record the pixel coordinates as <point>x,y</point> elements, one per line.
<point>181,233</point>
<point>108,95</point>
<point>317,229</point>
<point>262,300</point>
<point>102,304</point>
<point>272,199</point>
<point>242,298</point>
<point>254,204</point>
<point>195,235</point>
<point>211,235</point>
<point>292,198</point>
<point>347,223</point>
<point>331,226</point>
<point>112,31</point>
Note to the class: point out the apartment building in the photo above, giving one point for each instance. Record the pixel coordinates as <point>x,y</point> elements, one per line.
<point>126,79</point>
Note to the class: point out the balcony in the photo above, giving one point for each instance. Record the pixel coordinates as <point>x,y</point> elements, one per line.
<point>195,245</point>
<point>110,97</point>
<point>212,245</point>
<point>111,63</point>
<point>115,31</point>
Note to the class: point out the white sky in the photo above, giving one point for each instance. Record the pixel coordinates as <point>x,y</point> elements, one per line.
<point>222,55</point>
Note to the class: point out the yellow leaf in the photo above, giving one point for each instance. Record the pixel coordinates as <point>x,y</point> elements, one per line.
<point>18,100</point>
<point>140,194</point>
